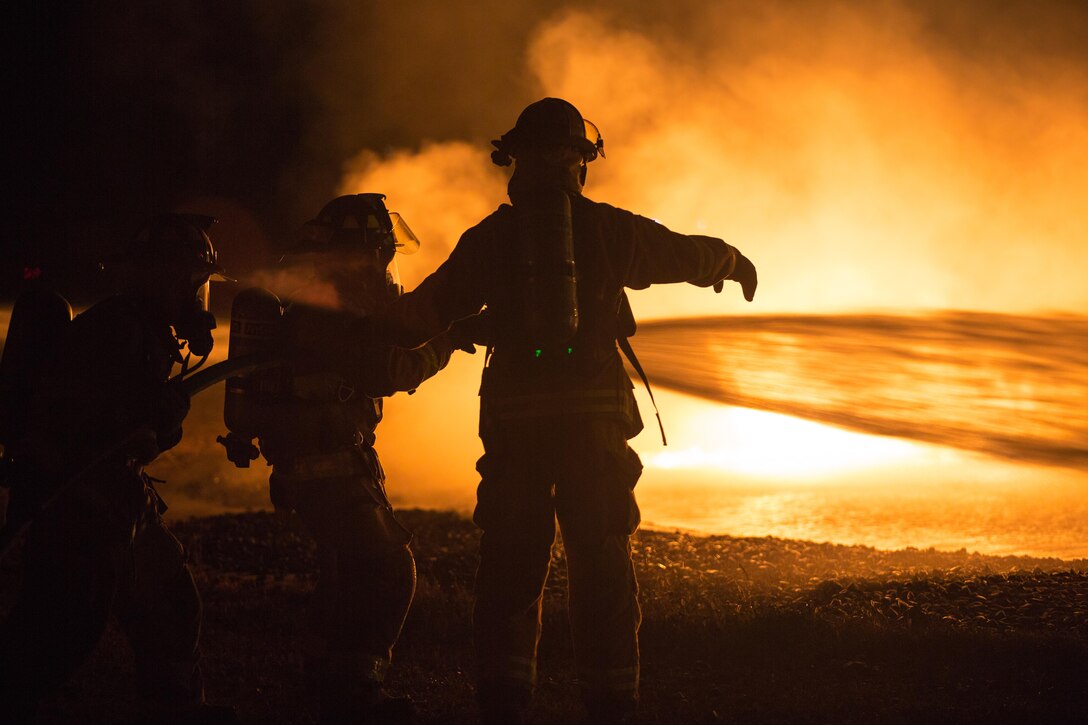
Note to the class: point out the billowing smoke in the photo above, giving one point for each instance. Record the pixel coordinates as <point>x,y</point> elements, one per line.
<point>297,283</point>
<point>440,190</point>
<point>859,156</point>
<point>882,154</point>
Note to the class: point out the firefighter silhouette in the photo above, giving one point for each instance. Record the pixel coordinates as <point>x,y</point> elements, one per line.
<point>98,407</point>
<point>556,406</point>
<point>314,421</point>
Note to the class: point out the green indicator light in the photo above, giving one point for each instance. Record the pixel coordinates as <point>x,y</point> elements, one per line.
<point>538,352</point>
<point>570,350</point>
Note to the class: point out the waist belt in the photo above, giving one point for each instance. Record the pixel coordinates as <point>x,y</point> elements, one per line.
<point>606,401</point>
<point>344,462</point>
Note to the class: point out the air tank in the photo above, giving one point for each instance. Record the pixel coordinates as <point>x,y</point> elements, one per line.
<point>37,324</point>
<point>546,271</point>
<point>254,327</point>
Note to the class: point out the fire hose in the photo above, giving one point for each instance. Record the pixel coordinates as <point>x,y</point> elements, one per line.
<point>191,385</point>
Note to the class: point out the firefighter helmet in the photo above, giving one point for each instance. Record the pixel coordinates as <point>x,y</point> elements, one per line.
<point>350,244</point>
<point>360,221</point>
<point>549,122</point>
<point>171,260</point>
<point>178,242</point>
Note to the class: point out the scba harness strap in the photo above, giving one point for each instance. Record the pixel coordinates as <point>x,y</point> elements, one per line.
<point>625,329</point>
<point>629,353</point>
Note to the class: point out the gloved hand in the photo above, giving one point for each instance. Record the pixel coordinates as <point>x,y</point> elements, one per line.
<point>466,333</point>
<point>240,450</point>
<point>744,273</point>
<point>196,329</point>
<point>172,407</point>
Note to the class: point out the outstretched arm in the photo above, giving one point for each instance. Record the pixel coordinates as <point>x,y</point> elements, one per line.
<point>654,254</point>
<point>454,291</point>
<point>406,369</point>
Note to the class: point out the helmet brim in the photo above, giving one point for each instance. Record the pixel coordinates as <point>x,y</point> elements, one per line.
<point>591,145</point>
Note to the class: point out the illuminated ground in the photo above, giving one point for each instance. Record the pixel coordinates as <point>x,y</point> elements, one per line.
<point>735,630</point>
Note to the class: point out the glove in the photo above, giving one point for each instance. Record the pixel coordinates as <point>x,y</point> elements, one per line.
<point>744,272</point>
<point>196,329</point>
<point>240,451</point>
<point>466,333</point>
<point>173,406</point>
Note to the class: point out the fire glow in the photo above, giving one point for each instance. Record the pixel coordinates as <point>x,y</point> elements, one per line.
<point>895,156</point>
<point>862,161</point>
<point>858,162</point>
<point>758,443</point>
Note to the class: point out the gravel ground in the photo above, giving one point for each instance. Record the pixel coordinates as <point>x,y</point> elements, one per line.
<point>734,630</point>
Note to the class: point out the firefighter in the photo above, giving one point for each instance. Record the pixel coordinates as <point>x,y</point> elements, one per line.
<point>98,546</point>
<point>556,407</point>
<point>315,423</point>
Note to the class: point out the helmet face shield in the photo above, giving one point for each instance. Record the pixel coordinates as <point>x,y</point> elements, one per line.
<point>203,293</point>
<point>593,135</point>
<point>405,240</point>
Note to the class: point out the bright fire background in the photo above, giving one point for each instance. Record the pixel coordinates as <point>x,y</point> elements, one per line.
<point>859,161</point>
<point>884,156</point>
<point>863,161</point>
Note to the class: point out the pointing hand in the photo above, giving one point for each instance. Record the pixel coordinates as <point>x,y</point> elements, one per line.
<point>745,274</point>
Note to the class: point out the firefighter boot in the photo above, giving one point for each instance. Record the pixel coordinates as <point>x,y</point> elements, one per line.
<point>351,692</point>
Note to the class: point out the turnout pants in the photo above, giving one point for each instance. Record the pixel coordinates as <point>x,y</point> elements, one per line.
<point>583,473</point>
<point>82,563</point>
<point>366,585</point>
